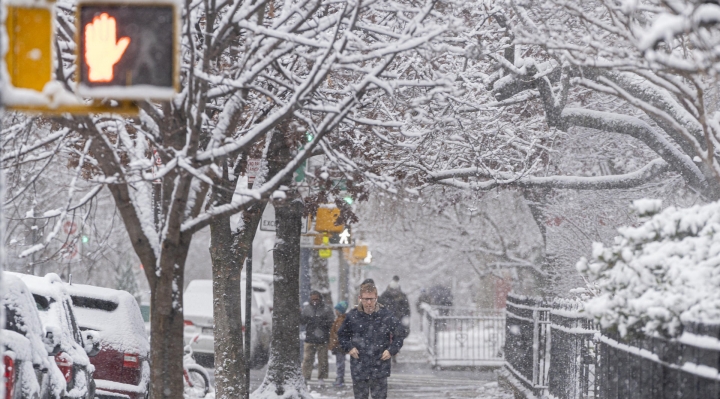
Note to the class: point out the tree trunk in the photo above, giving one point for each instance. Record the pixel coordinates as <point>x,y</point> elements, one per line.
<point>228,256</point>
<point>283,375</point>
<point>166,320</point>
<point>534,199</point>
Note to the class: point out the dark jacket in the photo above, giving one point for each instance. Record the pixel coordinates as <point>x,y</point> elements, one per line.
<point>317,321</point>
<point>397,302</point>
<point>371,334</point>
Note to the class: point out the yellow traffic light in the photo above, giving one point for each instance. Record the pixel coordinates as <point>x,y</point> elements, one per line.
<point>325,252</point>
<point>325,220</point>
<point>29,56</point>
<point>360,252</point>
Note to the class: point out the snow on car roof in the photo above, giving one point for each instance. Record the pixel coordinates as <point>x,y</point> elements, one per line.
<point>55,317</point>
<point>114,313</point>
<point>17,296</point>
<point>49,286</point>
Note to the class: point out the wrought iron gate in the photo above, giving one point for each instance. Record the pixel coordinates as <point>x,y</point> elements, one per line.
<point>463,336</point>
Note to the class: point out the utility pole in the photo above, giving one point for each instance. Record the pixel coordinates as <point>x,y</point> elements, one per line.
<point>343,278</point>
<point>248,318</point>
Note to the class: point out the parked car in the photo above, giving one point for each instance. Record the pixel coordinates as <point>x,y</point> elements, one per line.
<point>63,335</point>
<point>263,302</point>
<point>121,365</point>
<point>198,313</point>
<point>28,371</point>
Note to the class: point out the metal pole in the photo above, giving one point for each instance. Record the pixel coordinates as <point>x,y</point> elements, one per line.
<point>248,318</point>
<point>343,278</point>
<point>305,278</point>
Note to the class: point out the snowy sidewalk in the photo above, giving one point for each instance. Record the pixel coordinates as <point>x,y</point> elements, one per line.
<point>412,378</point>
<point>420,381</point>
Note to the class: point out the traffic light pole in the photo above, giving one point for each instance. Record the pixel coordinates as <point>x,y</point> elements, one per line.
<point>343,279</point>
<point>248,318</point>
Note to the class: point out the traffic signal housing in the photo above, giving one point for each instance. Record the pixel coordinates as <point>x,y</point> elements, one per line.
<point>29,56</point>
<point>128,50</point>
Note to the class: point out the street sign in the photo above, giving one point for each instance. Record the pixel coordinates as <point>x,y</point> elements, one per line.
<point>307,241</point>
<point>29,56</point>
<point>253,169</point>
<point>69,227</point>
<point>127,50</point>
<point>267,220</point>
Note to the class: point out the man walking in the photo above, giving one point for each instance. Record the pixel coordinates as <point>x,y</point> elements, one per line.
<point>371,334</point>
<point>317,318</point>
<point>397,302</point>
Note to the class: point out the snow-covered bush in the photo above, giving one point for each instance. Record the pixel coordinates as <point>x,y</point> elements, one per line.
<point>659,275</point>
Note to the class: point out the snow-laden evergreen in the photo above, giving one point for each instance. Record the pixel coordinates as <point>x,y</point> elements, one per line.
<point>660,274</point>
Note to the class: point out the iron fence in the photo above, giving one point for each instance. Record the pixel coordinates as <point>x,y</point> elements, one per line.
<point>463,336</point>
<point>573,365</point>
<point>528,342</point>
<point>579,361</point>
<point>683,368</point>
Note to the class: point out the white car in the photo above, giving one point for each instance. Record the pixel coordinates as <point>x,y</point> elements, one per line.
<point>28,370</point>
<point>263,301</point>
<point>70,348</point>
<point>198,314</point>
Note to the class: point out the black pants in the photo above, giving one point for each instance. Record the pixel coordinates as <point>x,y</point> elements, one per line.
<point>375,387</point>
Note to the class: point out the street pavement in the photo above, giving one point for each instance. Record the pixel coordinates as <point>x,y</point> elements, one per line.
<point>412,377</point>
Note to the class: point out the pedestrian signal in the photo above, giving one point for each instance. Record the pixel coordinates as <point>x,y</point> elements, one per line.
<point>325,220</point>
<point>29,54</point>
<point>127,50</point>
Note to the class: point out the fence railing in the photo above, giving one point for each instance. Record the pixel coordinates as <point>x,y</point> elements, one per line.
<point>581,362</point>
<point>463,336</point>
<point>528,322</point>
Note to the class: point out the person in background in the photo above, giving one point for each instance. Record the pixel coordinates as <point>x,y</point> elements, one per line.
<point>334,345</point>
<point>397,302</point>
<point>371,335</point>
<point>317,318</point>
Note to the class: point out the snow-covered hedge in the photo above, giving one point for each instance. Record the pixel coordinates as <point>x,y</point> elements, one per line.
<point>659,275</point>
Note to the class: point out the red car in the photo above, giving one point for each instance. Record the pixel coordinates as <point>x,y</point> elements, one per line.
<point>121,366</point>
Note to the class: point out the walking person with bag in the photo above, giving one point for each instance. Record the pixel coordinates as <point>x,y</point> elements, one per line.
<point>371,335</point>
<point>317,318</point>
<point>334,345</point>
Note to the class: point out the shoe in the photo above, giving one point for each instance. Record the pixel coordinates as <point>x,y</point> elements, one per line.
<point>338,384</point>
<point>321,381</point>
